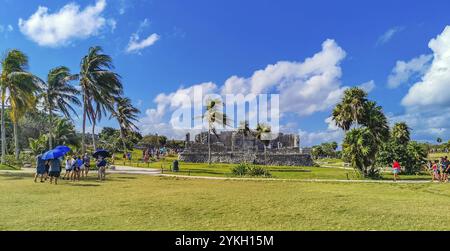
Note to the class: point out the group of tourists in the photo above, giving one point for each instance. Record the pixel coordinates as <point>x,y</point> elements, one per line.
<point>155,153</point>
<point>76,168</point>
<point>440,169</point>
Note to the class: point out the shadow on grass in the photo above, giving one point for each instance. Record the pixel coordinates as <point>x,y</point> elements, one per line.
<point>85,185</point>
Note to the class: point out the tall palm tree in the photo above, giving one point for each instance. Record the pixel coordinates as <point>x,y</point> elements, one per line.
<point>401,133</point>
<point>351,109</point>
<point>99,88</point>
<point>126,114</point>
<point>245,131</point>
<point>214,116</point>
<point>375,120</point>
<point>263,134</point>
<point>18,87</point>
<point>58,96</point>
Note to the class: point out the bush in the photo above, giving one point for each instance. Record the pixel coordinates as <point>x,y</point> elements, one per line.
<point>240,170</point>
<point>244,169</point>
<point>258,171</point>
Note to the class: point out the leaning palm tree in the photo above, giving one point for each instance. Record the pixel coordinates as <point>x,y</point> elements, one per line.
<point>126,114</point>
<point>401,133</point>
<point>214,116</point>
<point>18,87</point>
<point>263,134</point>
<point>59,96</point>
<point>99,87</point>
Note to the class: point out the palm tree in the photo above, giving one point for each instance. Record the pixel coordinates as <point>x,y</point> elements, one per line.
<point>244,129</point>
<point>351,109</point>
<point>213,117</point>
<point>375,120</point>
<point>99,88</point>
<point>263,134</point>
<point>65,133</point>
<point>59,95</point>
<point>401,133</point>
<point>19,87</point>
<point>125,114</point>
<point>359,148</point>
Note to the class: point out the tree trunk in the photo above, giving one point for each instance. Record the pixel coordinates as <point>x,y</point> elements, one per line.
<point>50,129</point>
<point>123,141</point>
<point>3,127</point>
<point>16,140</point>
<point>265,154</point>
<point>209,145</point>
<point>93,134</point>
<point>83,134</point>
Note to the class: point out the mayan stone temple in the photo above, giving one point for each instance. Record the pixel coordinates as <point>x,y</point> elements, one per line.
<point>235,147</point>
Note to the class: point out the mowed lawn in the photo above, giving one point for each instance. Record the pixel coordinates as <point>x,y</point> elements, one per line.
<point>127,202</point>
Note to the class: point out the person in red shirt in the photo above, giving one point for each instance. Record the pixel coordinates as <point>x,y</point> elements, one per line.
<point>396,169</point>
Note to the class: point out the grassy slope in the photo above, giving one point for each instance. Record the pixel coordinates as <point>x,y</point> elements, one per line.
<point>128,202</point>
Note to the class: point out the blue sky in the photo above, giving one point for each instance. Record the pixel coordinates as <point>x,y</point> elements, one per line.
<point>164,47</point>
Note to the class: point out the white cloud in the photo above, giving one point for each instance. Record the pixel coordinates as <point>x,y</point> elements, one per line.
<point>135,45</point>
<point>7,28</point>
<point>388,35</point>
<point>68,23</point>
<point>432,89</point>
<point>332,133</point>
<point>405,71</point>
<point>304,87</point>
<point>368,86</point>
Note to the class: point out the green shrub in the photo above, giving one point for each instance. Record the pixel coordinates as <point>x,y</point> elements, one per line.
<point>258,171</point>
<point>240,170</point>
<point>244,169</point>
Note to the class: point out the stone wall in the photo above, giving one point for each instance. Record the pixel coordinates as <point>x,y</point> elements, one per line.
<point>274,159</point>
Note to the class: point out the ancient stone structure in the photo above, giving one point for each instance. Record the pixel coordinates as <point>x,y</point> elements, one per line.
<point>235,147</point>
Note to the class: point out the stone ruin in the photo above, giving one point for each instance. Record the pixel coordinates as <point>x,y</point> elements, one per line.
<point>235,147</point>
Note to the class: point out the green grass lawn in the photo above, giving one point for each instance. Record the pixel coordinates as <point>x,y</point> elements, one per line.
<point>126,202</point>
<point>8,167</point>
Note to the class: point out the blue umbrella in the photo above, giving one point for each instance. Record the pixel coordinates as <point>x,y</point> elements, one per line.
<point>64,149</point>
<point>101,152</point>
<point>53,154</point>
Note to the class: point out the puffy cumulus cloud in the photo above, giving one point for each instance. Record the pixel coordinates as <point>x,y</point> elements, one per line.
<point>426,124</point>
<point>332,133</point>
<point>304,87</point>
<point>155,119</point>
<point>61,27</point>
<point>405,71</point>
<point>432,89</point>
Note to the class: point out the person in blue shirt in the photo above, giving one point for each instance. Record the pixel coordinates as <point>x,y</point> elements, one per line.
<point>55,170</point>
<point>40,168</point>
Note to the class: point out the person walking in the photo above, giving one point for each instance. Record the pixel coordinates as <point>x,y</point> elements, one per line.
<point>87,164</point>
<point>101,165</point>
<point>68,168</point>
<point>55,170</point>
<point>396,168</point>
<point>435,171</point>
<point>40,168</point>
